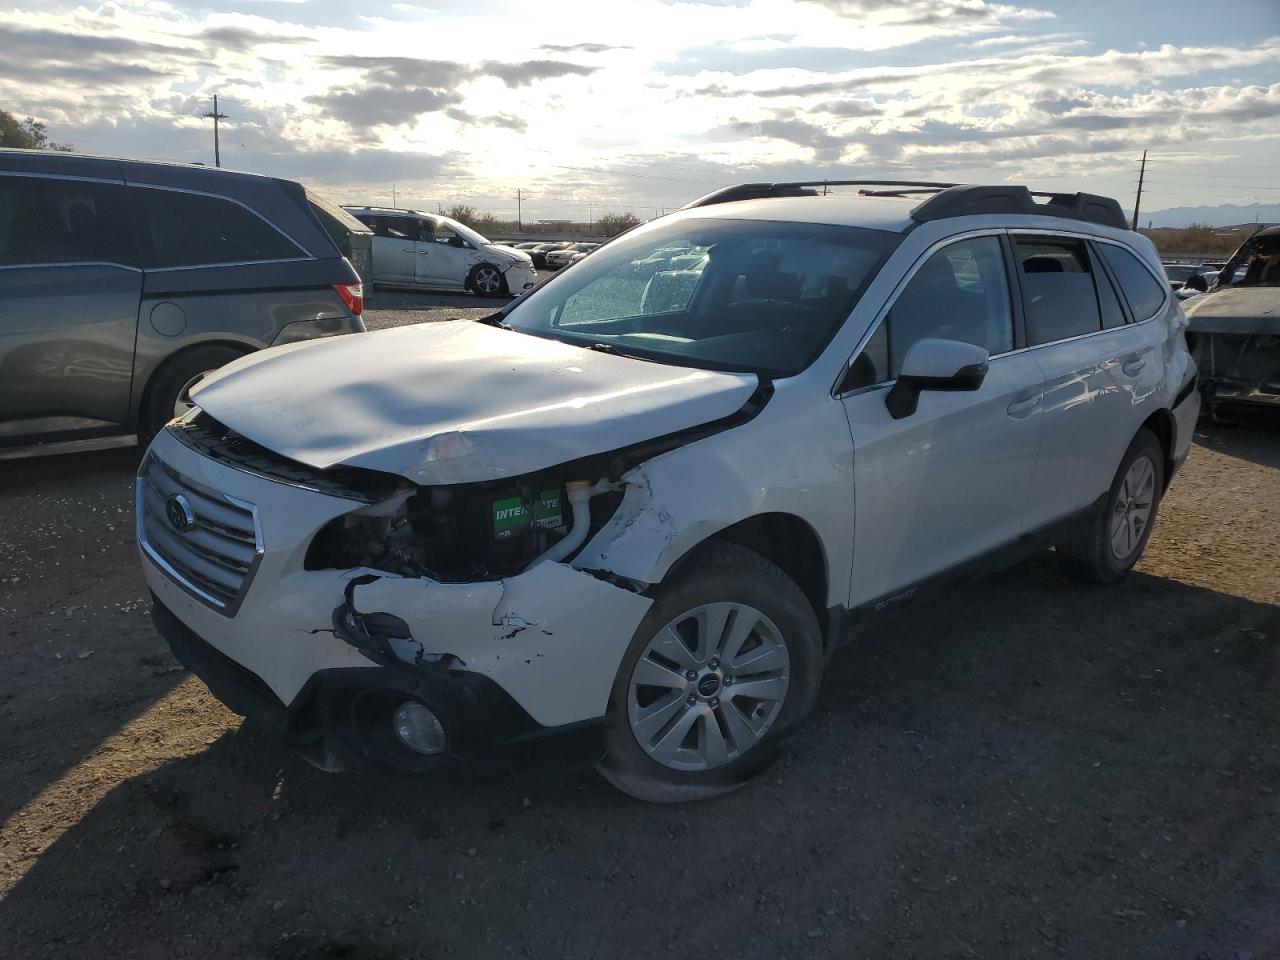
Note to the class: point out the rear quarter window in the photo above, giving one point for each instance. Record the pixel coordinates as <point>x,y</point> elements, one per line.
<point>1143,292</point>
<point>191,230</point>
<point>1058,291</point>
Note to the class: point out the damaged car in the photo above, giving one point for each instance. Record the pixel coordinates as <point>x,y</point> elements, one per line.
<point>1234,328</point>
<point>639,508</point>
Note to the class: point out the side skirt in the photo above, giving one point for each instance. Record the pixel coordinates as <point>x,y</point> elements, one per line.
<point>993,561</point>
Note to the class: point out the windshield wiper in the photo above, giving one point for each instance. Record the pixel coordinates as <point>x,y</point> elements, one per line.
<point>613,351</point>
<point>495,320</point>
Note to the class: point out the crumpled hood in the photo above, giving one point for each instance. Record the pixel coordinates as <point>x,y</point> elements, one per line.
<point>458,401</point>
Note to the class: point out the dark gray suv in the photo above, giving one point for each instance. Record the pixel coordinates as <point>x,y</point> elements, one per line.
<point>122,283</point>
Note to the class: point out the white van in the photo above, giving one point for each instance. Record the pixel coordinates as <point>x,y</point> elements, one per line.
<point>416,249</point>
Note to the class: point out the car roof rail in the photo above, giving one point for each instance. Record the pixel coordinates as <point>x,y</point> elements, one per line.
<point>944,199</point>
<point>962,201</point>
<point>801,188</point>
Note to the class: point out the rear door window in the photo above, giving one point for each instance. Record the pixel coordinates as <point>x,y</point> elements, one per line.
<point>64,221</point>
<point>1144,293</point>
<point>1058,291</point>
<point>192,230</point>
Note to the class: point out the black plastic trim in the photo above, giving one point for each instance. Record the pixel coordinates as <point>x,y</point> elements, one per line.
<point>993,561</point>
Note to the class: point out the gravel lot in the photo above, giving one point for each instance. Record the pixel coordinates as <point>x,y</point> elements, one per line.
<point>1029,768</point>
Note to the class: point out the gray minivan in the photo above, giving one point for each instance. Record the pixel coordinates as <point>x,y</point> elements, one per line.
<point>122,283</point>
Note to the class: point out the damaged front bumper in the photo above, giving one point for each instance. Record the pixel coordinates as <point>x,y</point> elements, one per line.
<point>320,657</point>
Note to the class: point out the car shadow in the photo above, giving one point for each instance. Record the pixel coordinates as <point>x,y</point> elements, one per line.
<point>1029,767</point>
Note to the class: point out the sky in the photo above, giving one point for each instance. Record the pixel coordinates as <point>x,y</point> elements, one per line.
<point>643,105</point>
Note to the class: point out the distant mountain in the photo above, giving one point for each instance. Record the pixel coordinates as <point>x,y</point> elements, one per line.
<point>1223,215</point>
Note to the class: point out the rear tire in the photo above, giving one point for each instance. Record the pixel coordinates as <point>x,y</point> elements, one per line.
<point>488,281</point>
<point>1119,534</point>
<point>173,380</point>
<point>728,626</point>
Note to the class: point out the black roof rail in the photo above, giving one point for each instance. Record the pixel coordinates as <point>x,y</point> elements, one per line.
<point>799,188</point>
<point>962,201</point>
<point>946,200</point>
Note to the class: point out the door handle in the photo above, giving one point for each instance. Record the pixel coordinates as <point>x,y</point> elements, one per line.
<point>1133,365</point>
<point>1024,404</point>
<point>424,253</point>
<point>406,249</point>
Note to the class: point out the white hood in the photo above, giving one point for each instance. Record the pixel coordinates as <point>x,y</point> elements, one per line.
<point>458,402</point>
<point>511,252</point>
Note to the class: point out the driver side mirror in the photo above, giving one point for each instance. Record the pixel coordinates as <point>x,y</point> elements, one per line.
<point>1197,282</point>
<point>935,364</point>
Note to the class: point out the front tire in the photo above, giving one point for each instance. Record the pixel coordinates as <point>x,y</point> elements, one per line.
<point>488,281</point>
<point>725,664</point>
<point>1118,536</point>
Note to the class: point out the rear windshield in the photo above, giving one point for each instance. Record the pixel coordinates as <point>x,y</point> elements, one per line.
<point>336,221</point>
<point>747,295</point>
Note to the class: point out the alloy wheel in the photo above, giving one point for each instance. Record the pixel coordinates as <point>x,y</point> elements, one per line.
<point>488,280</point>
<point>708,686</point>
<point>1132,513</point>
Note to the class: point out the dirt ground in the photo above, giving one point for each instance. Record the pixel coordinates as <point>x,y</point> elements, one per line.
<point>1029,768</point>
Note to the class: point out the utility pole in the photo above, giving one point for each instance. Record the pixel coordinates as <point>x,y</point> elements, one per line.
<point>519,211</point>
<point>216,116</point>
<point>1142,173</point>
<point>393,197</point>
<point>591,205</point>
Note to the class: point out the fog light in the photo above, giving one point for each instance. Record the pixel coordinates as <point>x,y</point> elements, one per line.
<point>418,728</point>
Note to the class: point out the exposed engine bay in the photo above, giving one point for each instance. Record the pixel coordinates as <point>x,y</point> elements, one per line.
<point>466,533</point>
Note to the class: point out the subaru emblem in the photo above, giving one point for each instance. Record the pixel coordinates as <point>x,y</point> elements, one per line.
<point>178,509</point>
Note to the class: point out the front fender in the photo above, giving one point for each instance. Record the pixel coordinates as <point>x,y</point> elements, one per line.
<point>777,463</point>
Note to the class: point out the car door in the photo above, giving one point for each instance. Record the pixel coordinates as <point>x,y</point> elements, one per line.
<point>69,291</point>
<point>950,481</point>
<point>395,251</point>
<point>1090,360</point>
<point>449,256</point>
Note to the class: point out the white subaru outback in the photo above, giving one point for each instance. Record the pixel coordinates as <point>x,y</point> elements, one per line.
<point>644,502</point>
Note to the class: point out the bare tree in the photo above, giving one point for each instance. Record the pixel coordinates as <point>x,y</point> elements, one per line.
<point>612,224</point>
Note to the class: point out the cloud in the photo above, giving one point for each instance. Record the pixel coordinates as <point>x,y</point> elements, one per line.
<point>393,91</point>
<point>503,120</point>
<point>928,12</point>
<point>849,108</point>
<point>531,71</point>
<point>244,40</point>
<point>825,145</point>
<point>582,47</point>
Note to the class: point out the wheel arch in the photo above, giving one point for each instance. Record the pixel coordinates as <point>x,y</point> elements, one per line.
<point>789,542</point>
<point>1162,424</point>
<point>144,395</point>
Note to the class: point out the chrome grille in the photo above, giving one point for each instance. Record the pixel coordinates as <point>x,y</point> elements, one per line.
<point>216,547</point>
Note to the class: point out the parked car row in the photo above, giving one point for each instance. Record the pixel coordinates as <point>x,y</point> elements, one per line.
<point>554,254</point>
